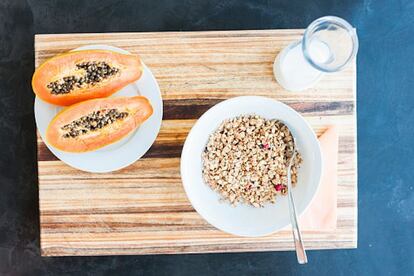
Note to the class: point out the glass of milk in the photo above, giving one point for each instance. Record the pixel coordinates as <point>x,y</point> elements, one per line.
<point>328,45</point>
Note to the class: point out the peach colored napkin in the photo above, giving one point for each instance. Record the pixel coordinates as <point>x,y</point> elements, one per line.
<point>321,214</point>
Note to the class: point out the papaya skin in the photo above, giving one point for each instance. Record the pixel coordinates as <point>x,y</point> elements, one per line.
<point>138,108</point>
<point>65,64</point>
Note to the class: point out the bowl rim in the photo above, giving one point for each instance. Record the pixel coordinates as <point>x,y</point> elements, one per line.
<point>185,152</point>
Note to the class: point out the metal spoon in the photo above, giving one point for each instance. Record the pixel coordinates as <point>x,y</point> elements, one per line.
<point>297,237</point>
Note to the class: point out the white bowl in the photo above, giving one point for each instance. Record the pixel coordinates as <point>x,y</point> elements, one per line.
<point>245,220</point>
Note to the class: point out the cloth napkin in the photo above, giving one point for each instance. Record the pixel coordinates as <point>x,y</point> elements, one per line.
<point>321,215</point>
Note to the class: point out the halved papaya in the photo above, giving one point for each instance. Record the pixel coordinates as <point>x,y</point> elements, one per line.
<point>83,75</point>
<point>96,123</point>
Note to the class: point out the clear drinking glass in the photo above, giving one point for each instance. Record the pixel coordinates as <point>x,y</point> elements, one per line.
<point>328,45</point>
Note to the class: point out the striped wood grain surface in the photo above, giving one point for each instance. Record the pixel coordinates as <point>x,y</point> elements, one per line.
<point>143,209</point>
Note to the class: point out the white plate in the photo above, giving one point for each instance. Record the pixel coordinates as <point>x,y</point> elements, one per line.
<point>126,151</point>
<point>244,220</point>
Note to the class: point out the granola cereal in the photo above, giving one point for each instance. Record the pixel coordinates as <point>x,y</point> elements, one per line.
<point>246,159</point>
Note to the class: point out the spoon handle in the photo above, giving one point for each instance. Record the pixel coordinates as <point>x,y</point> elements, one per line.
<point>299,247</point>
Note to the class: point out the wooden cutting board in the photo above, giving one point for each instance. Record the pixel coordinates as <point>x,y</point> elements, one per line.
<point>143,209</point>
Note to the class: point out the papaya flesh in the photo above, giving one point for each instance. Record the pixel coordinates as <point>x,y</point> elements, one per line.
<point>83,75</point>
<point>96,123</point>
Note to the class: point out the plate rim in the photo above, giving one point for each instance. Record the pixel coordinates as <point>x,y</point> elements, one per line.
<point>138,156</point>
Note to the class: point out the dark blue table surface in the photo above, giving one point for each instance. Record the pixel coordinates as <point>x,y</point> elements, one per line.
<point>385,131</point>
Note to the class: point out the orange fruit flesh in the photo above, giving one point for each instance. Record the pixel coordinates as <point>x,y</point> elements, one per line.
<point>58,67</point>
<point>138,108</point>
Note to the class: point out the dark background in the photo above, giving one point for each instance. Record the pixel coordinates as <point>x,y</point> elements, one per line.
<point>385,131</point>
